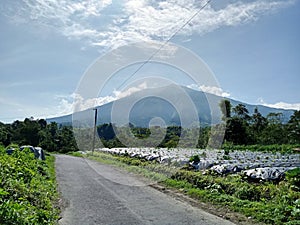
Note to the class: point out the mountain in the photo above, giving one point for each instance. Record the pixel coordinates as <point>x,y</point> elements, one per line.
<point>175,105</point>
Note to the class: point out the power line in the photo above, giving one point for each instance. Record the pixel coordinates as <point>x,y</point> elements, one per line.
<point>166,42</point>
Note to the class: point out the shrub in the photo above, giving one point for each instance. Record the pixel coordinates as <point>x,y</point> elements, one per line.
<point>27,189</point>
<point>293,177</point>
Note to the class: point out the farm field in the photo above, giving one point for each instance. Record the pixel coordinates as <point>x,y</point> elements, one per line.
<point>255,165</point>
<point>264,187</point>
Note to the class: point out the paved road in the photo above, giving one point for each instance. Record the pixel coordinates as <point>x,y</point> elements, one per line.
<point>101,194</point>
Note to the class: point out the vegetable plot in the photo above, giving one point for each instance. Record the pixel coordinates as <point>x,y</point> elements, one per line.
<point>253,165</point>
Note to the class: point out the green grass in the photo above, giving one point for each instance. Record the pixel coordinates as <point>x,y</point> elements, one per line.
<point>269,203</point>
<point>77,154</point>
<point>148,170</point>
<point>28,192</point>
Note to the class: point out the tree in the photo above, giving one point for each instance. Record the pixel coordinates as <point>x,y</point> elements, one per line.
<point>106,131</point>
<point>5,134</point>
<point>225,106</point>
<point>237,127</point>
<point>275,118</point>
<point>49,137</point>
<point>241,112</point>
<point>258,121</point>
<point>66,140</point>
<point>275,132</point>
<point>258,124</point>
<point>29,132</point>
<point>294,128</point>
<point>236,131</point>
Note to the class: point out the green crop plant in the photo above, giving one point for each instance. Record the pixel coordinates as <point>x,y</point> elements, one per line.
<point>27,189</point>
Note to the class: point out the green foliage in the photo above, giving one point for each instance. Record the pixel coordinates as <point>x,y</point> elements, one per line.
<point>245,129</point>
<point>77,154</point>
<point>293,177</point>
<point>27,189</point>
<point>225,107</point>
<point>50,137</point>
<point>242,129</point>
<point>106,133</point>
<point>5,134</point>
<point>195,159</point>
<point>294,128</point>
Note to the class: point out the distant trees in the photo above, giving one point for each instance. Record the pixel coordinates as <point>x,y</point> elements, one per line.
<point>293,128</point>
<point>107,134</point>
<point>50,137</point>
<point>241,128</point>
<point>245,129</point>
<point>5,134</point>
<point>236,125</point>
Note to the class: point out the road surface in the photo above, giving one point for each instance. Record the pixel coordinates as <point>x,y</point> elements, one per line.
<point>101,194</point>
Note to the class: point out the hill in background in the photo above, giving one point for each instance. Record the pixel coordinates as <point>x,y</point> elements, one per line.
<point>175,106</point>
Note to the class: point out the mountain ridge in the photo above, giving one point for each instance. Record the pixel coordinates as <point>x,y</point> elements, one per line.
<point>164,102</point>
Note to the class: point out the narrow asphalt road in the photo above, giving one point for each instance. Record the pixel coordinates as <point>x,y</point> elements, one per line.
<point>101,194</point>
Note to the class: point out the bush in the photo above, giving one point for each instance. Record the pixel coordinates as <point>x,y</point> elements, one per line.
<point>293,177</point>
<point>27,189</point>
<point>195,159</point>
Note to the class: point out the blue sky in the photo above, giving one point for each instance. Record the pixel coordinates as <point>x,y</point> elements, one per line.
<point>252,47</point>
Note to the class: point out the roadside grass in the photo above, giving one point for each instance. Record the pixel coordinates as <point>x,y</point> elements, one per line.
<point>28,193</point>
<point>263,202</point>
<point>136,166</point>
<point>77,154</point>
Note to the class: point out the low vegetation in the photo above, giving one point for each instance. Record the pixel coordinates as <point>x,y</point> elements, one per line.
<point>28,193</point>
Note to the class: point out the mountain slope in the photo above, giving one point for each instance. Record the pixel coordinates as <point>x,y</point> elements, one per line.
<point>175,106</point>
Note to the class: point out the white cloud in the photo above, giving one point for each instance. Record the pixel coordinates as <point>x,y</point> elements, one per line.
<point>75,102</point>
<point>144,20</point>
<point>130,91</point>
<point>139,20</point>
<point>281,105</point>
<point>210,89</point>
<point>65,16</point>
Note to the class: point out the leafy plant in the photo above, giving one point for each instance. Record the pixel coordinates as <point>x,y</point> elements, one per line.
<point>27,189</point>
<point>195,159</point>
<point>293,177</point>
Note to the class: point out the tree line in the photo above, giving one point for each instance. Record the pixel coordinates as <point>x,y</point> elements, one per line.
<point>51,137</point>
<point>245,129</point>
<point>241,128</point>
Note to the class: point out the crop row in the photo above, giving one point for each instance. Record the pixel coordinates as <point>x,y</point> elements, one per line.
<point>254,165</point>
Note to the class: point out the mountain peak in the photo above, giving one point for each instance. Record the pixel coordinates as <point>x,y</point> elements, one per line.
<point>174,104</point>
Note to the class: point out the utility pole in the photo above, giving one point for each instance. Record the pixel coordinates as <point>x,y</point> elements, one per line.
<point>95,127</point>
